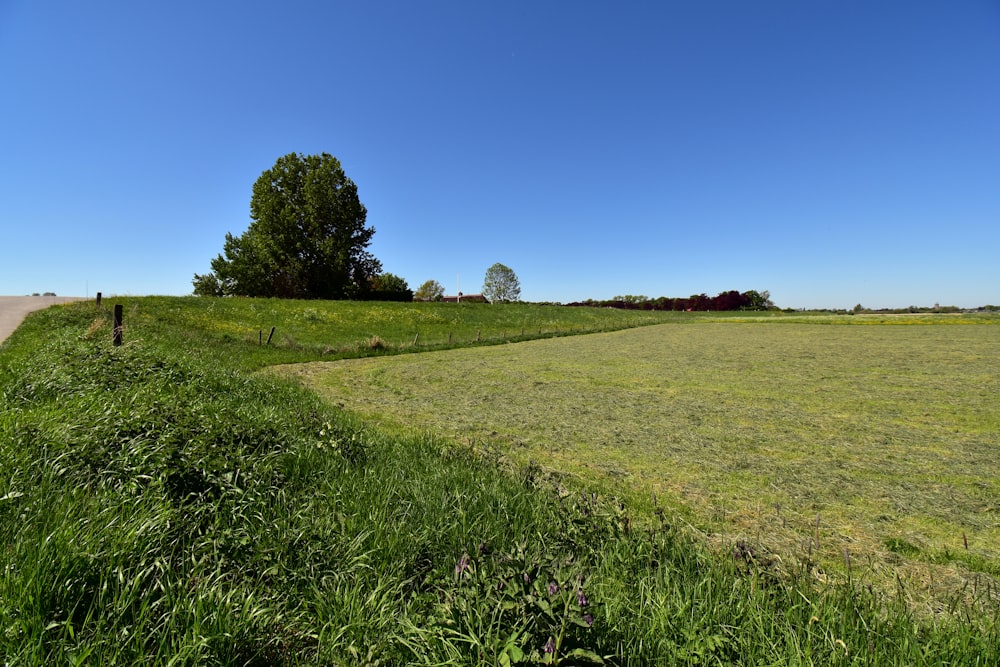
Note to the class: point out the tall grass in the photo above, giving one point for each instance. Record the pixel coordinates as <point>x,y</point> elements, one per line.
<point>160,506</point>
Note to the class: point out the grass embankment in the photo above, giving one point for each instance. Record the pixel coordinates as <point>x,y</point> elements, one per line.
<point>308,330</point>
<point>158,505</point>
<point>874,446</point>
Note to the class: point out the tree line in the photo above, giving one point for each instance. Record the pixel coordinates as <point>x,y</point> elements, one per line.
<point>731,300</point>
<point>308,239</point>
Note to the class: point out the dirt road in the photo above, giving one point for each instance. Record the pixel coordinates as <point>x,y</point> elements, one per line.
<point>13,309</point>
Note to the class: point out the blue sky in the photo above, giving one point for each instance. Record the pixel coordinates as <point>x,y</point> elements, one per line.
<point>832,152</point>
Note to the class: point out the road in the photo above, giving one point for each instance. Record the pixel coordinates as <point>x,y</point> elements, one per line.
<point>13,309</point>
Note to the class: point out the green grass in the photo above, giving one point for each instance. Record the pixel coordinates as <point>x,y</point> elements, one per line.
<point>753,431</point>
<point>161,505</point>
<point>307,330</point>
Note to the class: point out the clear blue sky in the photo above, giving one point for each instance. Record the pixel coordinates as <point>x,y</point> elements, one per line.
<point>829,151</point>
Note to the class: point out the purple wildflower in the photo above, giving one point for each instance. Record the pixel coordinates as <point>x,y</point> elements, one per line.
<point>550,646</point>
<point>581,597</point>
<point>553,588</point>
<point>462,565</point>
<point>527,578</point>
<point>588,619</point>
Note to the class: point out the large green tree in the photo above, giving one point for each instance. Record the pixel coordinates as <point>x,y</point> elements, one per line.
<point>501,284</point>
<point>307,238</point>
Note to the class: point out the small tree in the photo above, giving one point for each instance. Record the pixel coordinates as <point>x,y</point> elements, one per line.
<point>389,282</point>
<point>208,285</point>
<point>388,287</point>
<point>758,300</point>
<point>431,290</point>
<point>501,284</point>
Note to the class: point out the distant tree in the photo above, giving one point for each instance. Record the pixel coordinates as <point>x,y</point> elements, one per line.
<point>307,238</point>
<point>699,302</point>
<point>208,284</point>
<point>758,300</point>
<point>431,290</point>
<point>731,300</point>
<point>389,282</point>
<point>501,284</point>
<point>631,300</point>
<point>388,287</point>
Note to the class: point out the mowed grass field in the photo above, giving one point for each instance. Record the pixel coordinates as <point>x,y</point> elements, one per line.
<point>823,445</point>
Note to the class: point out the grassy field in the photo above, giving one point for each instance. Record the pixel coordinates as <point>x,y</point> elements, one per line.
<point>877,444</point>
<point>305,330</point>
<point>159,504</point>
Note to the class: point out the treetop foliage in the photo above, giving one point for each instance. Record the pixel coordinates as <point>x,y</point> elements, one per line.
<point>501,284</point>
<point>389,282</point>
<point>430,290</point>
<point>389,287</point>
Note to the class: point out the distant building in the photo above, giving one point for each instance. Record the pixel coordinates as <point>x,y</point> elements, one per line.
<point>466,298</point>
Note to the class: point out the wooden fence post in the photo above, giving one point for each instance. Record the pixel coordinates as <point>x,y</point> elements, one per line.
<point>116,331</point>
<point>270,335</point>
<point>98,299</point>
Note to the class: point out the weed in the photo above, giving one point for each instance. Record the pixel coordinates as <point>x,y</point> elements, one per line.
<point>376,343</point>
<point>523,605</point>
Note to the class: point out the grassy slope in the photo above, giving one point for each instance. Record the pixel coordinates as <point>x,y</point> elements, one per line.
<point>886,435</point>
<point>306,330</point>
<point>159,505</point>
